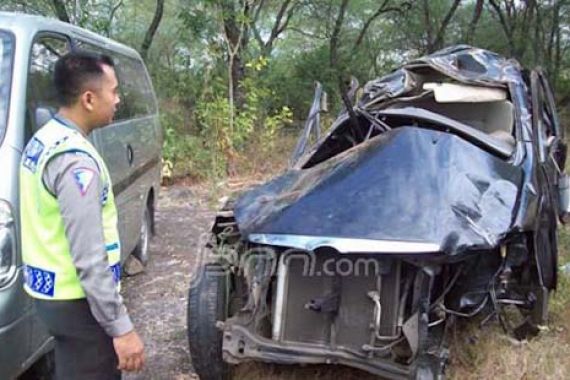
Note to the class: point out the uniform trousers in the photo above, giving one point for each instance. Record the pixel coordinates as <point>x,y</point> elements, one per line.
<point>83,350</point>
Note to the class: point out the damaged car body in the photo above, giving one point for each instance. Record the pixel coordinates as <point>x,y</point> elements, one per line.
<point>437,197</point>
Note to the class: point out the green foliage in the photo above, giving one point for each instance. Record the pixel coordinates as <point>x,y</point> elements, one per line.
<point>184,154</point>
<point>204,145</point>
<point>252,124</point>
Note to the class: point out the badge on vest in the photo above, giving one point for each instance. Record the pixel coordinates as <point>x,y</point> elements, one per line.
<point>39,280</point>
<point>83,179</point>
<point>32,154</point>
<point>116,270</point>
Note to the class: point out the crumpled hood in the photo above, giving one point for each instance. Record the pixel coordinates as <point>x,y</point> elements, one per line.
<point>409,184</point>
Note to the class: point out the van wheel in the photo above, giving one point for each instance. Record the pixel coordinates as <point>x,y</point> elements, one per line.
<point>207,304</point>
<point>141,251</point>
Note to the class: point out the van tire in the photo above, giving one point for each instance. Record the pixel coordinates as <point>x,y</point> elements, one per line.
<point>142,250</point>
<point>207,304</point>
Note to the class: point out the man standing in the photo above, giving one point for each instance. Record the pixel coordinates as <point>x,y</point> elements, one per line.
<point>70,241</point>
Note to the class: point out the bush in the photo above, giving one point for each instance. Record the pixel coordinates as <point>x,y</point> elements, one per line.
<point>205,144</point>
<point>184,154</point>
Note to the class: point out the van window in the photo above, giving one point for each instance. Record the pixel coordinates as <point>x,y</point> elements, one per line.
<point>137,99</point>
<point>41,95</point>
<point>6,53</point>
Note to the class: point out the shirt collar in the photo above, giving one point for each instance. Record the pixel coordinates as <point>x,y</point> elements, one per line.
<point>68,123</point>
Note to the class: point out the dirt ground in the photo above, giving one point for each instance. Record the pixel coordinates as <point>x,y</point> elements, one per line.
<point>157,300</point>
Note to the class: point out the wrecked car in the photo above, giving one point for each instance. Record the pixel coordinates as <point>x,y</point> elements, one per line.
<point>435,197</point>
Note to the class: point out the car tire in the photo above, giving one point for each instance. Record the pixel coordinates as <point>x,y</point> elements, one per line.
<point>207,304</point>
<point>142,250</point>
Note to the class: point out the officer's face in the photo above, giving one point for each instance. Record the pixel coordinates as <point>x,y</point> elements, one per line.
<point>106,98</point>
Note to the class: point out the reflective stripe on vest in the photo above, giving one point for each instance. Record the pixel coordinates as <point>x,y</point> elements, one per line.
<point>48,267</point>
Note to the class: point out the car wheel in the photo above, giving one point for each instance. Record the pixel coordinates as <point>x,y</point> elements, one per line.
<point>141,251</point>
<point>207,304</point>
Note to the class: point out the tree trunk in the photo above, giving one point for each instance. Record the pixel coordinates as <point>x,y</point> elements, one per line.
<point>60,11</point>
<point>474,21</point>
<point>343,88</point>
<point>440,36</point>
<point>427,22</point>
<point>236,39</point>
<point>152,28</point>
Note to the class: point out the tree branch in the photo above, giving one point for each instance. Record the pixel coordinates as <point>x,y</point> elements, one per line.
<point>336,34</point>
<point>290,13</point>
<point>277,28</point>
<point>60,11</point>
<point>502,19</point>
<point>152,28</point>
<point>440,33</point>
<point>428,26</point>
<point>475,20</point>
<point>384,8</point>
<point>112,16</point>
<point>114,10</point>
<point>334,42</point>
<point>257,11</point>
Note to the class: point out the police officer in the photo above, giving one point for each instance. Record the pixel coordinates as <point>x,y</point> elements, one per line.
<point>70,241</point>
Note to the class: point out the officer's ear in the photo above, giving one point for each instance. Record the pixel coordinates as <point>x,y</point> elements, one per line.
<point>87,99</point>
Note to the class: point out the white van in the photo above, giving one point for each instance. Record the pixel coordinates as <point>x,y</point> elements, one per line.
<point>131,147</point>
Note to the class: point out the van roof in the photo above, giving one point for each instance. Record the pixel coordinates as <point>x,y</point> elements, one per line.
<point>21,23</point>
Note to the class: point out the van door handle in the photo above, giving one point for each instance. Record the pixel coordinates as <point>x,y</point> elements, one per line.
<point>130,154</point>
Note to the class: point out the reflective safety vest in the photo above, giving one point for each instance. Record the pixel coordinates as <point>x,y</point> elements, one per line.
<point>48,267</point>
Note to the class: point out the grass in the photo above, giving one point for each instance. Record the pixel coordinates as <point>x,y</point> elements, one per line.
<point>488,353</point>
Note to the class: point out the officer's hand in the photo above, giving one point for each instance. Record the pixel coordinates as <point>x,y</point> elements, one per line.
<point>130,351</point>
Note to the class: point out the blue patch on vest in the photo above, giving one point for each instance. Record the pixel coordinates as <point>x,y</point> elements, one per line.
<point>32,154</point>
<point>112,247</point>
<point>105,195</point>
<point>39,280</point>
<point>116,269</point>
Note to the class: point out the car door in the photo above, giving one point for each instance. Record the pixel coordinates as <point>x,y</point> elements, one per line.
<point>551,155</point>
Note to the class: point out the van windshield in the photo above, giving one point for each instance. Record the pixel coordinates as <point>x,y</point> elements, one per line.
<point>6,52</point>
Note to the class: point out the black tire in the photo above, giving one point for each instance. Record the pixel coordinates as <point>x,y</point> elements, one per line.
<point>207,304</point>
<point>142,250</point>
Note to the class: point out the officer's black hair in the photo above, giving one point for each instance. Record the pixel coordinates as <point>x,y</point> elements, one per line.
<point>74,70</point>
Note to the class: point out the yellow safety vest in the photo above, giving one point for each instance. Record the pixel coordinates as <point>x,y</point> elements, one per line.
<point>48,268</point>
